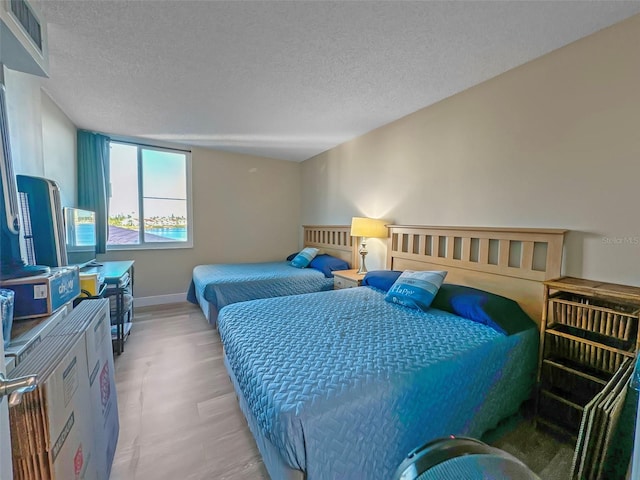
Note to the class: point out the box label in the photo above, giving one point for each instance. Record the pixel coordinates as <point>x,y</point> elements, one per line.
<point>63,436</point>
<point>70,378</point>
<point>94,373</point>
<point>64,288</point>
<point>40,291</point>
<point>34,343</point>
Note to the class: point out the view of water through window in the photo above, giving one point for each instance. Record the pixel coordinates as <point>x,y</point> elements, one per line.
<point>148,201</point>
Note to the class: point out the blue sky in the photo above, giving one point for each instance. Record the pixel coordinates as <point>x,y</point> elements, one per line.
<point>164,176</point>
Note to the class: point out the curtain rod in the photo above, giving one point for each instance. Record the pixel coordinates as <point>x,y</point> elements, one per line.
<point>131,142</point>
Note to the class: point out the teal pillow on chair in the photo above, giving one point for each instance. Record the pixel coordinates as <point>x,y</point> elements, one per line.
<point>302,259</point>
<point>416,289</point>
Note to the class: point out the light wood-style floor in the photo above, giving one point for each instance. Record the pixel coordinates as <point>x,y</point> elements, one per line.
<point>179,417</point>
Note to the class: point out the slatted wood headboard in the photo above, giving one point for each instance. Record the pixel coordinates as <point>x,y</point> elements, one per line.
<point>332,239</point>
<point>512,262</point>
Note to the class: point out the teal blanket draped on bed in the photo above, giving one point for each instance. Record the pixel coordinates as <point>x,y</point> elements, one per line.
<point>344,384</point>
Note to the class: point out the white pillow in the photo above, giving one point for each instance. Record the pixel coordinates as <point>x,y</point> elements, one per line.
<point>416,289</point>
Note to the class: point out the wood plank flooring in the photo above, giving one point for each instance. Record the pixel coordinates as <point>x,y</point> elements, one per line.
<point>179,417</point>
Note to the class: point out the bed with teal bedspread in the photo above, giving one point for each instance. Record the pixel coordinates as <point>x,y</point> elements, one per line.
<point>343,384</point>
<point>214,286</point>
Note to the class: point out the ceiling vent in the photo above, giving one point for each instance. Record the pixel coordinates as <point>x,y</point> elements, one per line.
<point>23,38</point>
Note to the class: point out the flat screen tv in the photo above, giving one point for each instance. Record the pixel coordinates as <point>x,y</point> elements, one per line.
<point>80,230</point>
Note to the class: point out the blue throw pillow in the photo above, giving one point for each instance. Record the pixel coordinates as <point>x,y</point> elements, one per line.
<point>292,256</point>
<point>500,313</point>
<point>305,256</point>
<point>381,279</point>
<point>416,289</point>
<point>327,264</point>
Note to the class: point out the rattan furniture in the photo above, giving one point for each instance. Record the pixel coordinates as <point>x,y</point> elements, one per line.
<point>588,330</point>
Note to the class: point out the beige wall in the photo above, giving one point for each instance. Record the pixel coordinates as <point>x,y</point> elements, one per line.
<point>245,209</point>
<point>43,139</point>
<point>59,150</point>
<point>553,143</point>
<point>24,113</point>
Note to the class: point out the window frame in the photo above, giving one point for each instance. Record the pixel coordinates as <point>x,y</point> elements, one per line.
<point>160,146</point>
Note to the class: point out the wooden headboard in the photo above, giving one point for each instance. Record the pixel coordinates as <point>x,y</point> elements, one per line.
<point>335,240</point>
<point>512,262</point>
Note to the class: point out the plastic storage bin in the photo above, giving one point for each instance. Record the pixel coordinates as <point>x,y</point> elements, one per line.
<point>6,311</point>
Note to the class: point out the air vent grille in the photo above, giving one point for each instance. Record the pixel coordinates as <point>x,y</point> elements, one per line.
<point>27,232</point>
<point>28,20</point>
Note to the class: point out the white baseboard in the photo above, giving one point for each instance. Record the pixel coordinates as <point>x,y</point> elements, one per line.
<point>160,299</point>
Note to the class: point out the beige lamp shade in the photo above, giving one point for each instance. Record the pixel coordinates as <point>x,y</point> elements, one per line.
<point>368,227</point>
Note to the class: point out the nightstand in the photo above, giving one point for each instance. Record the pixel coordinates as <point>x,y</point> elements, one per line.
<point>347,279</point>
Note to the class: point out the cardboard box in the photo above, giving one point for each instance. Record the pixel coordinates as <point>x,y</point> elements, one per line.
<point>90,319</point>
<point>104,400</point>
<point>41,295</point>
<point>52,428</point>
<point>27,334</point>
<point>90,284</point>
<point>9,364</point>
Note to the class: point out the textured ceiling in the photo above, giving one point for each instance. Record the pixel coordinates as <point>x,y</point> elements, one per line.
<point>289,79</point>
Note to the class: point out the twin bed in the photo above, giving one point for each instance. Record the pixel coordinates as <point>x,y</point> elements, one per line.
<point>217,285</point>
<point>343,384</point>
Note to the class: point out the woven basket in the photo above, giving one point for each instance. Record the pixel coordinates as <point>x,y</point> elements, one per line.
<point>595,316</point>
<point>596,321</point>
<point>592,356</point>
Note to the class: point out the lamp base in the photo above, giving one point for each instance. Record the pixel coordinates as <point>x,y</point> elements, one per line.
<point>363,253</point>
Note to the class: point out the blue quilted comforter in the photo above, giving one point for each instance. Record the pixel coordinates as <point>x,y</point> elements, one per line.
<point>224,284</point>
<point>344,384</point>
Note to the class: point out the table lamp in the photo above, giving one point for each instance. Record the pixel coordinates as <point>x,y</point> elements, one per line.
<point>367,228</point>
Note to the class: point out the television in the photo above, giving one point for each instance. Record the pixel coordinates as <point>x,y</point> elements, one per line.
<point>80,232</point>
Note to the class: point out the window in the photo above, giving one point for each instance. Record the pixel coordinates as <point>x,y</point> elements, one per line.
<point>150,197</point>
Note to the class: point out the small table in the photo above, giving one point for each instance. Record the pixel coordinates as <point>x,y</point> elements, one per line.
<point>347,279</point>
<point>118,278</point>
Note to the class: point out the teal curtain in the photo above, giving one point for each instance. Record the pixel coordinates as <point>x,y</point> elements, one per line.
<point>93,181</point>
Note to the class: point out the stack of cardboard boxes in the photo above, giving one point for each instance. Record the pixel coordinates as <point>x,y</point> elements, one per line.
<point>67,428</point>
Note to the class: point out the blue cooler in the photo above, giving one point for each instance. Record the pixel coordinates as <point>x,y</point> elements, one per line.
<point>6,311</point>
